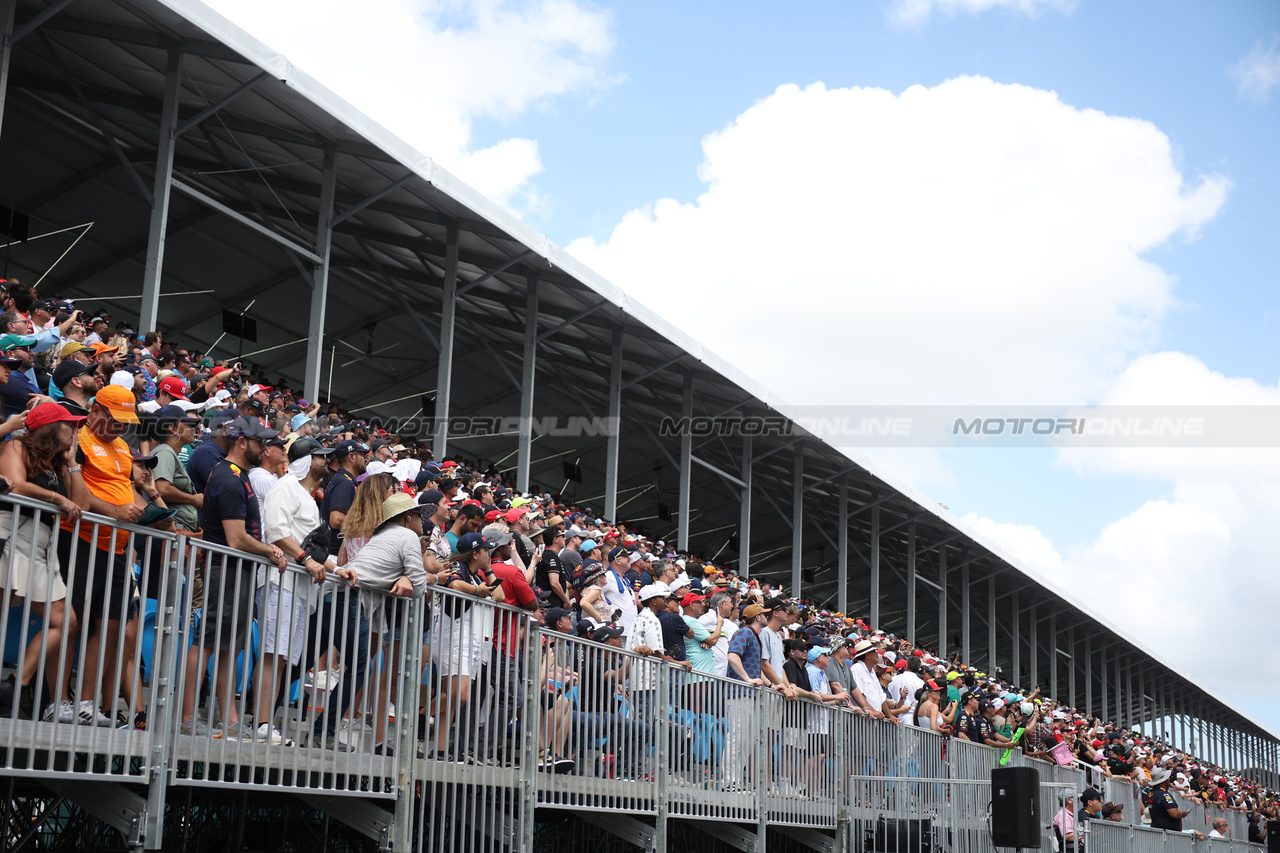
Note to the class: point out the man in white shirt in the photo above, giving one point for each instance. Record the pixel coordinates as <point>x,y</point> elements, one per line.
<point>619,595</point>
<point>645,638</point>
<point>907,676</point>
<point>1220,828</point>
<point>868,692</point>
<point>264,476</point>
<point>720,607</point>
<point>285,599</point>
<point>771,649</point>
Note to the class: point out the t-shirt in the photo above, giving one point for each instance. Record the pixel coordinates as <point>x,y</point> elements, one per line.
<point>517,593</point>
<point>108,472</point>
<point>169,467</point>
<point>703,660</point>
<point>721,649</point>
<point>550,565</point>
<point>263,482</point>
<point>771,649</point>
<point>391,553</point>
<point>339,495</point>
<point>571,558</point>
<point>288,512</point>
<point>909,680</point>
<point>619,596</point>
<point>645,631</point>
<point>1162,802</point>
<point>797,673</point>
<point>16,393</point>
<point>229,496</point>
<point>202,461</point>
<point>673,631</point>
<point>838,673</point>
<point>746,645</point>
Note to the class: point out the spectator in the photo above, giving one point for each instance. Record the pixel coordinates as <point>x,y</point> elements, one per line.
<point>232,519</point>
<point>264,476</point>
<point>1113,812</point>
<point>506,667</point>
<point>470,519</point>
<point>1064,822</point>
<point>1164,810</point>
<point>347,463</point>
<point>618,594</point>
<point>285,601</point>
<point>745,664</point>
<point>867,691</point>
<point>716,616</point>
<point>211,452</point>
<point>41,464</point>
<point>97,572</point>
<point>177,430</point>
<point>21,387</point>
<point>1220,828</point>
<point>551,577</point>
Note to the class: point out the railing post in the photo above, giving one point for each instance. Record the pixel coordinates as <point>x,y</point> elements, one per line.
<point>662,731</point>
<point>162,678</point>
<point>761,773</point>
<point>531,721</point>
<point>407,742</point>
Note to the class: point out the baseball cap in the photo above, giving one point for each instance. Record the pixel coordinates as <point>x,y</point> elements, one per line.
<point>98,348</point>
<point>175,413</point>
<point>607,632</point>
<point>817,652</point>
<point>587,545</point>
<point>8,342</point>
<point>70,348</point>
<point>254,389</point>
<point>299,420</point>
<point>148,459</point>
<point>691,598</point>
<point>68,370</point>
<point>119,403</point>
<point>174,387</point>
<point>952,676</point>
<point>250,428</point>
<point>751,612</point>
<point>513,514</point>
<point>555,614</point>
<point>652,591</point>
<point>307,447</point>
<point>50,413</point>
<point>431,496</point>
<point>346,448</point>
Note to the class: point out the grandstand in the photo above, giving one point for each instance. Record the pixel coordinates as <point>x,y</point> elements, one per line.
<point>178,151</point>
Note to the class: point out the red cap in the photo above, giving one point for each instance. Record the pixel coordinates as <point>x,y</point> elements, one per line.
<point>50,413</point>
<point>901,664</point>
<point>690,598</point>
<point>173,386</point>
<point>448,463</point>
<point>918,653</point>
<point>515,513</point>
<point>493,515</point>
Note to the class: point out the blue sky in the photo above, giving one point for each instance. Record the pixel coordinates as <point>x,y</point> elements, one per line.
<point>963,241</point>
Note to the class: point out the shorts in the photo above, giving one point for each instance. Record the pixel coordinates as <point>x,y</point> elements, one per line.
<point>793,737</point>
<point>819,744</point>
<point>98,582</point>
<point>282,621</point>
<point>455,647</point>
<point>228,599</point>
<point>29,561</point>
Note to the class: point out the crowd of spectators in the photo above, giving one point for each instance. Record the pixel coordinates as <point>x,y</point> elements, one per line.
<point>105,420</point>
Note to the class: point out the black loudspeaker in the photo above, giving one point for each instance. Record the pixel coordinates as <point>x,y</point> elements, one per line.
<point>1015,807</point>
<point>893,835</point>
<point>1273,836</point>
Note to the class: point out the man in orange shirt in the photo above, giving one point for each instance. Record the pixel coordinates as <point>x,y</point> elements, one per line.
<point>97,573</point>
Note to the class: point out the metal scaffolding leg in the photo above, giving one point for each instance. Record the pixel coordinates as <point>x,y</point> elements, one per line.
<point>320,276</point>
<point>797,520</point>
<point>1034,640</point>
<point>444,370</point>
<point>160,195</point>
<point>875,562</point>
<point>615,426</point>
<point>744,520</point>
<point>911,581</point>
<point>966,650</point>
<point>524,458</point>
<point>1088,675</point>
<point>686,464</point>
<point>1053,656</point>
<point>1071,666</point>
<point>7,8</point>
<point>942,601</point>
<point>991,624</point>
<point>842,549</point>
<point>1015,626</point>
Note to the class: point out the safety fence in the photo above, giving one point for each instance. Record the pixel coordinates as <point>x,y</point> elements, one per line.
<point>169,662</point>
<point>1114,837</point>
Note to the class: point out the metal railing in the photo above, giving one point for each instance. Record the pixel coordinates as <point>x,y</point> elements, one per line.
<point>466,715</point>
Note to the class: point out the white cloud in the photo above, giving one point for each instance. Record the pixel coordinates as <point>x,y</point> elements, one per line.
<point>972,242</point>
<point>1259,71</point>
<point>1195,562</point>
<point>425,69</point>
<point>913,13</point>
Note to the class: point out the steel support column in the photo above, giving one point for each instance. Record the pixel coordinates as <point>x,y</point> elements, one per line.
<point>7,8</point>
<point>1034,640</point>
<point>991,625</point>
<point>797,520</point>
<point>966,650</point>
<point>744,515</point>
<point>1088,674</point>
<point>615,426</point>
<point>1105,683</point>
<point>163,188</point>
<point>1128,693</point>
<point>1053,656</point>
<point>444,368</point>
<point>911,582</point>
<point>875,563</point>
<point>942,601</point>
<point>686,464</point>
<point>1071,667</point>
<point>528,379</point>
<point>842,549</point>
<point>319,275</point>
<point>1015,629</point>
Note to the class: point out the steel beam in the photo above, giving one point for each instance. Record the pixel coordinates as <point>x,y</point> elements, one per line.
<point>875,564</point>
<point>966,650</point>
<point>797,520</point>
<point>237,216</point>
<point>1088,675</point>
<point>7,9</point>
<point>364,816</point>
<point>991,624</point>
<point>363,203</point>
<point>614,439</point>
<point>715,469</point>
<point>224,101</point>
<point>655,369</point>
<point>320,276</point>
<point>1034,641</point>
<point>45,14</point>
<point>154,267</point>
<point>528,379</point>
<point>744,511</point>
<point>1071,667</point>
<point>686,462</point>
<point>911,582</point>
<point>444,368</point>
<point>942,601</point>
<point>1015,631</point>
<point>842,550</point>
